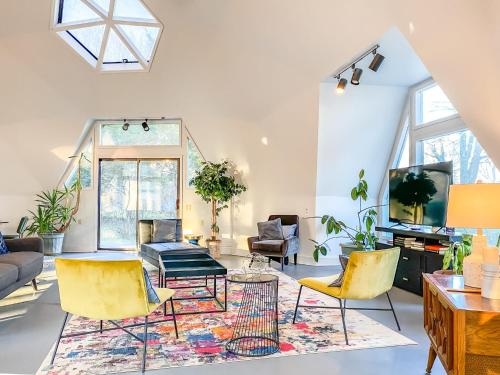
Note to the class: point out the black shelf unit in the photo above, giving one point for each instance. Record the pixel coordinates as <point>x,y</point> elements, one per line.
<point>413,263</point>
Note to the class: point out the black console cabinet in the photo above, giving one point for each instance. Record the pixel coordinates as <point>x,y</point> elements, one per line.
<point>412,263</point>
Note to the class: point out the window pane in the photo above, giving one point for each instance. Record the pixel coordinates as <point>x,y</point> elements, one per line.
<point>194,160</point>
<point>143,38</point>
<point>470,161</point>
<point>85,171</point>
<point>158,189</point>
<point>131,9</point>
<point>167,133</point>
<point>116,51</point>
<point>89,38</point>
<point>103,4</point>
<point>404,160</point>
<point>432,104</point>
<point>75,11</point>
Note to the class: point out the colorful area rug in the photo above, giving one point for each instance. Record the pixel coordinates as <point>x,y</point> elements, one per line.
<point>202,337</point>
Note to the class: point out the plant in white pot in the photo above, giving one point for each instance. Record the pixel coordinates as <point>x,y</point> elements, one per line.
<point>362,236</point>
<point>55,212</point>
<point>216,185</point>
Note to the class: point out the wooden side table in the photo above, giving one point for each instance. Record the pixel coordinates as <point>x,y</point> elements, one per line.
<point>463,327</point>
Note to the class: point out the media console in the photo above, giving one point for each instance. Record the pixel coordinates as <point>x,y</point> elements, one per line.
<point>413,263</point>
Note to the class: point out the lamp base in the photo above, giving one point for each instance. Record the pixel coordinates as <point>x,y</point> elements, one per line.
<point>472,263</point>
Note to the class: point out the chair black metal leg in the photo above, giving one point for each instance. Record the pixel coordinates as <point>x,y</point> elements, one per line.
<point>297,305</point>
<point>59,339</point>
<point>33,282</point>
<point>282,263</point>
<point>144,347</point>
<point>100,326</point>
<point>295,259</point>
<point>173,316</point>
<point>342,313</point>
<point>393,312</point>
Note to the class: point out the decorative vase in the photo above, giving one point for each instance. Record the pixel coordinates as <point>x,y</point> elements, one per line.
<point>472,267</point>
<point>52,243</point>
<point>490,283</point>
<point>214,248</point>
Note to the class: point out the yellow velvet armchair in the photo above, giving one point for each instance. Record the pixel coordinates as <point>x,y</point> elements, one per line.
<point>368,275</point>
<point>107,290</point>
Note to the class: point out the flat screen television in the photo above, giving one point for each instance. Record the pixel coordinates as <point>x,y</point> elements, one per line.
<point>418,195</point>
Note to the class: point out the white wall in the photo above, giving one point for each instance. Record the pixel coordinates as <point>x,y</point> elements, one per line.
<point>356,130</point>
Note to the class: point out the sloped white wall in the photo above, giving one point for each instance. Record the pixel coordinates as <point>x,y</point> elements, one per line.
<point>356,130</point>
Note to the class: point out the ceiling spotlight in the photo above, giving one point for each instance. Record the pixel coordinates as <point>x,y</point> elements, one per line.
<point>145,125</point>
<point>377,61</point>
<point>341,85</point>
<point>125,125</point>
<point>356,75</point>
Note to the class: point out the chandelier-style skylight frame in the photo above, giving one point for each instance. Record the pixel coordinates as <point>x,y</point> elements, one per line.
<point>111,35</point>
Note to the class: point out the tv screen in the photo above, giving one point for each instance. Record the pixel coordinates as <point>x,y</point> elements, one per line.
<point>419,195</point>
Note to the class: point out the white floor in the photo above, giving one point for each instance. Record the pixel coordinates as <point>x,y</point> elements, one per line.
<point>26,338</point>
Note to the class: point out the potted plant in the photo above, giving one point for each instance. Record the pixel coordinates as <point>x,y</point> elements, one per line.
<point>362,237</point>
<point>454,256</point>
<point>214,183</point>
<point>56,210</point>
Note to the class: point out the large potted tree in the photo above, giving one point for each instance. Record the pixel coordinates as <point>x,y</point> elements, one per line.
<point>55,212</point>
<point>360,237</point>
<point>216,185</point>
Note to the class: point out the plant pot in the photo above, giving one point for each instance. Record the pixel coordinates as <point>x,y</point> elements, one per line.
<point>214,248</point>
<point>52,243</point>
<point>348,247</point>
<point>444,272</point>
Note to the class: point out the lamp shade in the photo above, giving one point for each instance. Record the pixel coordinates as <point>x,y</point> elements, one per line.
<point>474,206</point>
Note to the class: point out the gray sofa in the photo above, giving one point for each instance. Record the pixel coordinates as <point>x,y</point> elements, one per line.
<point>21,264</point>
<point>151,251</point>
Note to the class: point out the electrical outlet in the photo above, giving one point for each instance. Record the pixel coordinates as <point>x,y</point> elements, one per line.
<point>79,221</point>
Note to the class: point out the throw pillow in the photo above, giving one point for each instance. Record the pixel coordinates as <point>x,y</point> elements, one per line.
<point>270,230</point>
<point>164,230</point>
<point>289,230</point>
<point>3,245</point>
<point>152,296</point>
<point>343,262</point>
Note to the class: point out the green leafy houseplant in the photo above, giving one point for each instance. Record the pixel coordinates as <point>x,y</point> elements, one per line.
<point>454,255</point>
<point>363,235</point>
<point>214,183</point>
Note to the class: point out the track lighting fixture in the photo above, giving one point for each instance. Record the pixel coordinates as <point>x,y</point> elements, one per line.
<point>125,125</point>
<point>145,125</point>
<point>341,85</point>
<point>377,61</point>
<point>356,75</point>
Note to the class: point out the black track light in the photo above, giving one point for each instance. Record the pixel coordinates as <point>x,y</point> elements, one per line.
<point>356,75</point>
<point>145,125</point>
<point>341,85</point>
<point>377,61</point>
<point>125,125</point>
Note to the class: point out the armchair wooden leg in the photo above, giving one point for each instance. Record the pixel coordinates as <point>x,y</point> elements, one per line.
<point>393,312</point>
<point>35,286</point>
<point>297,305</point>
<point>144,347</point>
<point>173,316</point>
<point>295,259</point>
<point>342,313</point>
<point>59,339</point>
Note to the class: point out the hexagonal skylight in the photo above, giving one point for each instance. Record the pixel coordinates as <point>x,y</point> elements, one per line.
<point>111,35</point>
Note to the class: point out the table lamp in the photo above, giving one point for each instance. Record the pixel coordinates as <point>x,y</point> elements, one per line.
<point>475,206</point>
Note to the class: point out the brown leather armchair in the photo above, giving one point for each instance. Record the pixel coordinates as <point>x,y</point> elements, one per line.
<point>278,250</point>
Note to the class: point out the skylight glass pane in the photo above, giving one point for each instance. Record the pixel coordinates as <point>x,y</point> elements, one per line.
<point>432,104</point>
<point>103,4</point>
<point>116,51</point>
<point>90,38</point>
<point>76,11</point>
<point>143,38</point>
<point>131,9</point>
<point>159,134</point>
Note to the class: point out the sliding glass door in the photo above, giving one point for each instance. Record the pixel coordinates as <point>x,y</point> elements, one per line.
<point>131,190</point>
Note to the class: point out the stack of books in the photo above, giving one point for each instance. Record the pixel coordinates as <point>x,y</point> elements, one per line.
<point>438,248</point>
<point>409,242</point>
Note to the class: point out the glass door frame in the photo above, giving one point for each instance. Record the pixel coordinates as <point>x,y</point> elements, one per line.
<point>138,162</point>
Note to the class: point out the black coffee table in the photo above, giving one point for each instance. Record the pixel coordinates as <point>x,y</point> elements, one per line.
<point>199,268</point>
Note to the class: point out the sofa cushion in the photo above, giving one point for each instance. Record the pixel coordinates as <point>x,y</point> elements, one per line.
<point>8,275</point>
<point>268,245</point>
<point>29,263</point>
<point>164,231</point>
<point>3,245</point>
<point>270,230</point>
<point>289,230</point>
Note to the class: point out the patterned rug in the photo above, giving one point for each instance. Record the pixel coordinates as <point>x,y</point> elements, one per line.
<point>202,337</point>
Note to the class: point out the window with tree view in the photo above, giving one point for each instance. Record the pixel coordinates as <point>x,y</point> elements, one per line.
<point>194,160</point>
<point>85,164</point>
<point>432,104</point>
